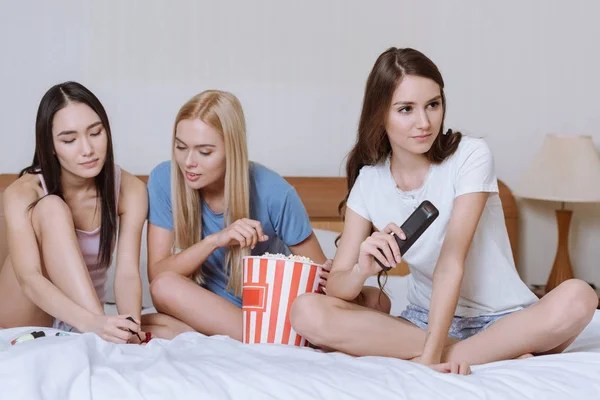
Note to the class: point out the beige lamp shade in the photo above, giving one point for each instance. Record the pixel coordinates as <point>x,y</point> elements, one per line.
<point>566,169</point>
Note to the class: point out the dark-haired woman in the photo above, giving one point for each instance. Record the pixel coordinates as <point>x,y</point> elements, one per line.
<point>62,217</point>
<point>467,303</point>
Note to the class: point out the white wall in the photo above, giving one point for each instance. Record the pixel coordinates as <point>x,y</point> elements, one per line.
<point>514,71</point>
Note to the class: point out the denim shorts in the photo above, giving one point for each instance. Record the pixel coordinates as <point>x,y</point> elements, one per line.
<point>461,328</point>
<point>63,326</point>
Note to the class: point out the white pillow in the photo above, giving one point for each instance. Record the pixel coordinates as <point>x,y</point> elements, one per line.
<point>146,298</point>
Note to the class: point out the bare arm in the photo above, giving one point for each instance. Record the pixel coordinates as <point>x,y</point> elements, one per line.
<point>345,279</point>
<point>160,259</point>
<point>243,232</point>
<point>25,256</point>
<point>133,209</point>
<point>448,273</point>
<point>310,248</point>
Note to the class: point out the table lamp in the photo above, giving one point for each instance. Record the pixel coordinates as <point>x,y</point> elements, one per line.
<point>565,170</point>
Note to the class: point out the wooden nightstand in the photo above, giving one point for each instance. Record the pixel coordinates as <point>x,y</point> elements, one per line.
<point>540,291</point>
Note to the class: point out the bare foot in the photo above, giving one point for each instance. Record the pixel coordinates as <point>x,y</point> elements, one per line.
<point>524,356</point>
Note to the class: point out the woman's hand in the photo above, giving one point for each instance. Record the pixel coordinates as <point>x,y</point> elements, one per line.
<point>244,232</point>
<point>451,367</point>
<point>323,275</point>
<point>115,329</point>
<point>381,246</point>
<point>139,338</point>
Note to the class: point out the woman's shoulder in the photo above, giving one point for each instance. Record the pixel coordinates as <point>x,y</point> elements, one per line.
<point>268,189</point>
<point>472,144</point>
<point>164,168</point>
<point>264,178</point>
<point>375,169</point>
<point>133,195</point>
<point>375,172</point>
<point>470,149</point>
<point>130,183</point>
<point>161,175</point>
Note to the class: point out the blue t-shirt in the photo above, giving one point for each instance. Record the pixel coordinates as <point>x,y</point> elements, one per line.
<point>273,202</point>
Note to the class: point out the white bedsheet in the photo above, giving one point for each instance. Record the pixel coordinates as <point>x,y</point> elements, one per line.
<point>194,366</point>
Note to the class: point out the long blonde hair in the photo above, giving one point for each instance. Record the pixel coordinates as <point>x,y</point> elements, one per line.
<point>222,111</point>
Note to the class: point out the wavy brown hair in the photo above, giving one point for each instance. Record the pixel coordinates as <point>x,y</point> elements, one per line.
<point>372,142</point>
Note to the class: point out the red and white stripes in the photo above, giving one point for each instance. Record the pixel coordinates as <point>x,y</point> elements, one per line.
<point>270,287</point>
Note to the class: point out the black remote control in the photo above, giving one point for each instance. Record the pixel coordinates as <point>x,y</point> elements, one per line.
<point>413,227</point>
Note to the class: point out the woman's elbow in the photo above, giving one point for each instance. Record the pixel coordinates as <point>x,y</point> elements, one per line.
<point>334,289</point>
<point>154,270</point>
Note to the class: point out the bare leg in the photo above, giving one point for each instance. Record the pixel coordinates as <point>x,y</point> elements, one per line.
<point>369,297</point>
<point>372,297</point>
<point>204,311</point>
<point>547,327</point>
<point>332,323</point>
<point>16,308</point>
<point>62,259</point>
<point>164,326</point>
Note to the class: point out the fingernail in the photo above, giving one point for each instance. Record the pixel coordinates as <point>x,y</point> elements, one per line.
<point>398,258</point>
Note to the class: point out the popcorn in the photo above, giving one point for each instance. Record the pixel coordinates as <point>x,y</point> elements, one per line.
<point>291,257</point>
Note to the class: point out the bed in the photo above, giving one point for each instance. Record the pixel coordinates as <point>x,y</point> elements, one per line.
<point>82,366</point>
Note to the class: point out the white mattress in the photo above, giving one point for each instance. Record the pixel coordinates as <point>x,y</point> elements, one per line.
<point>195,366</point>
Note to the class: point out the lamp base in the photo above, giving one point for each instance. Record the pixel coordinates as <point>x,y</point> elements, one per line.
<point>562,269</point>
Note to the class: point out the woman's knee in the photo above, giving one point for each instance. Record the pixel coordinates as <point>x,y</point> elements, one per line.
<point>309,316</point>
<point>576,305</point>
<point>583,300</point>
<point>49,210</point>
<point>163,287</point>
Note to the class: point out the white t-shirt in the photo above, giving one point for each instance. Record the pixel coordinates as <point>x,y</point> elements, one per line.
<point>491,284</point>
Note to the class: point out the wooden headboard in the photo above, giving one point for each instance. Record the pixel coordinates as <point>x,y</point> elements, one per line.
<point>321,196</point>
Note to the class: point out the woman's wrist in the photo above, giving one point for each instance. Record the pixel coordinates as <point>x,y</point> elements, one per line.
<point>85,321</point>
<point>135,312</point>
<point>430,357</point>
<point>432,351</point>
<point>210,241</point>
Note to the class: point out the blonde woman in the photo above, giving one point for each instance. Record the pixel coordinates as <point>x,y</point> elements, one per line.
<point>209,207</point>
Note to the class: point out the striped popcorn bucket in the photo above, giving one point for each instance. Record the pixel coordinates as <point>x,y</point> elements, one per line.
<point>270,287</point>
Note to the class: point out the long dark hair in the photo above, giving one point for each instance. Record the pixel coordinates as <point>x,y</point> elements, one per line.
<point>46,162</point>
<point>372,143</point>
